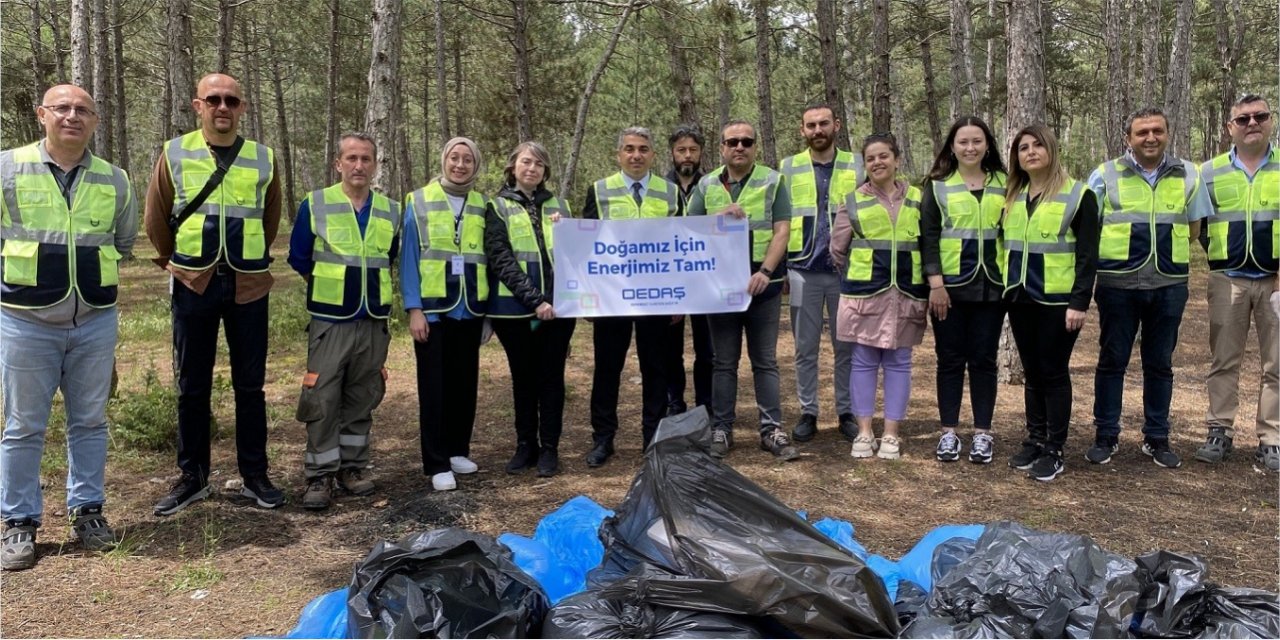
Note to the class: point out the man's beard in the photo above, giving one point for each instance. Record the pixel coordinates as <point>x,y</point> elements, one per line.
<point>686,169</point>
<point>820,144</point>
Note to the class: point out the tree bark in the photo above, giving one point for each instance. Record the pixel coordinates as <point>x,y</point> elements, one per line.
<point>120,121</point>
<point>520,42</point>
<point>459,89</point>
<point>989,72</point>
<point>181,75</point>
<point>963,84</point>
<point>1177,97</point>
<point>331,102</point>
<point>930,93</point>
<point>903,135</point>
<point>38,69</point>
<point>1230,32</point>
<point>59,58</point>
<point>584,102</point>
<point>1151,94</point>
<point>384,68</point>
<point>442,89</point>
<point>226,27</point>
<point>81,62</point>
<point>426,113</point>
<point>881,115</point>
<point>282,145</point>
<point>102,138</point>
<point>727,41</point>
<point>1025,67</point>
<point>1117,77</point>
<point>764,92</point>
<point>825,16</point>
<point>404,163</point>
<point>681,77</point>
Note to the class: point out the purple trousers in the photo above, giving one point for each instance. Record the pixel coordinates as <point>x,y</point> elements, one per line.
<point>866,364</point>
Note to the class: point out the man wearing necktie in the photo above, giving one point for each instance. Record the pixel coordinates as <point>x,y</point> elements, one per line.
<point>630,194</point>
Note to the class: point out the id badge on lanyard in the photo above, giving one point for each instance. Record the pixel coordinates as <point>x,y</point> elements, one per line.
<point>456,263</point>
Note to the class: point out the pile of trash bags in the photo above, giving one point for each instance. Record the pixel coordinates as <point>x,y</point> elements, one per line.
<point>696,550</point>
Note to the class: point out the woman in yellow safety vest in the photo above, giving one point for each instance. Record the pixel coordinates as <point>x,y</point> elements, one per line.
<point>1049,254</point>
<point>959,216</point>
<point>518,242</point>
<point>875,242</point>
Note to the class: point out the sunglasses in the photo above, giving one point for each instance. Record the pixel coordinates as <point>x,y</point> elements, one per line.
<point>745,143</point>
<point>1243,120</point>
<point>216,102</point>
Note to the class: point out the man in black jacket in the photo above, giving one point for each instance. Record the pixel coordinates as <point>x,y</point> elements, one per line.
<point>686,144</point>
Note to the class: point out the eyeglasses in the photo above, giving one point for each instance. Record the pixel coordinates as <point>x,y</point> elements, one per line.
<point>1243,120</point>
<point>65,110</point>
<point>745,143</point>
<point>216,102</point>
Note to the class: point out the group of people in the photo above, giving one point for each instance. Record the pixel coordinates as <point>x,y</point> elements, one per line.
<point>840,231</point>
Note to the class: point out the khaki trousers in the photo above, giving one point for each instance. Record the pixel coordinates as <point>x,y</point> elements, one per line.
<point>1233,304</point>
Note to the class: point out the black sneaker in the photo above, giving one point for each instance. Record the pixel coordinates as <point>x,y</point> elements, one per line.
<point>19,545</point>
<point>186,490</point>
<point>526,456</point>
<point>721,442</point>
<point>848,426</point>
<point>548,462</point>
<point>260,489</point>
<point>983,448</point>
<point>806,428</point>
<point>775,441</point>
<point>1161,454</point>
<point>1100,452</point>
<point>1047,467</point>
<point>948,447</point>
<point>90,527</point>
<point>1025,457</point>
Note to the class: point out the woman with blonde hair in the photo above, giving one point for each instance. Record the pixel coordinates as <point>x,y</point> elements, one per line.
<point>1049,235</point>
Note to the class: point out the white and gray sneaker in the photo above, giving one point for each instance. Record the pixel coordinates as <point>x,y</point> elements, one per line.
<point>982,449</point>
<point>949,446</point>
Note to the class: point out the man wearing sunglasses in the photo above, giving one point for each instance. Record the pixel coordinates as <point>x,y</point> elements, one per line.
<point>743,189</point>
<point>68,216</point>
<point>1243,241</point>
<point>212,212</point>
<point>1151,207</point>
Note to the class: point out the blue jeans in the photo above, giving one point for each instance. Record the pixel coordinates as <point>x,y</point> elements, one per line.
<point>36,361</point>
<point>1158,312</point>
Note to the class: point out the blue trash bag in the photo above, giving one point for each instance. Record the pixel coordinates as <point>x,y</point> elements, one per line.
<point>323,617</point>
<point>842,532</point>
<point>917,564</point>
<point>534,558</point>
<point>572,534</point>
<point>888,571</point>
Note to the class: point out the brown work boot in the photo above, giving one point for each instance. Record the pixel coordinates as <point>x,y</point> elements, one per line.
<point>319,493</point>
<point>355,481</point>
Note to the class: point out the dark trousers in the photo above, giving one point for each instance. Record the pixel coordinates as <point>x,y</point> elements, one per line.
<point>536,357</point>
<point>968,339</point>
<point>1122,311</point>
<point>195,347</point>
<point>448,366</point>
<point>702,364</point>
<point>1044,346</point>
<point>612,338</point>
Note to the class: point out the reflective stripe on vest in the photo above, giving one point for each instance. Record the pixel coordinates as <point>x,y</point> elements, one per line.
<point>1243,227</point>
<point>1140,221</point>
<point>884,253</point>
<point>441,237</point>
<point>615,201</point>
<point>969,229</point>
<point>352,269</point>
<point>756,199</point>
<point>1040,252</point>
<point>48,250</point>
<point>228,223</point>
<point>524,246</point>
<point>846,174</point>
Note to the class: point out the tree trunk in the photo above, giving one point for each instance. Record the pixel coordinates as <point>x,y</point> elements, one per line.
<point>1177,97</point>
<point>249,79</point>
<point>520,42</point>
<point>930,94</point>
<point>1230,32</point>
<point>681,77</point>
<point>181,75</point>
<point>59,58</point>
<point>38,70</point>
<point>81,36</point>
<point>102,138</point>
<point>727,41</point>
<point>989,72</point>
<point>584,103</point>
<point>764,93</point>
<point>459,89</point>
<point>903,135</point>
<point>404,164</point>
<point>1117,77</point>
<point>881,115</point>
<point>120,122</point>
<point>282,126</point>
<point>963,84</point>
<point>825,16</point>
<point>384,68</point>
<point>426,114</point>
<point>442,89</point>
<point>331,103</point>
<point>226,26</point>
<point>1151,25</point>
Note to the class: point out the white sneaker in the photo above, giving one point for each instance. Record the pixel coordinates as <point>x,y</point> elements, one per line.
<point>462,465</point>
<point>444,481</point>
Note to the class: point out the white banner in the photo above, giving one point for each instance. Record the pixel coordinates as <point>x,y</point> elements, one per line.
<point>660,266</point>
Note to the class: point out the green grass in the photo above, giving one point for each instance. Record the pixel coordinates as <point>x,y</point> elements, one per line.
<point>196,575</point>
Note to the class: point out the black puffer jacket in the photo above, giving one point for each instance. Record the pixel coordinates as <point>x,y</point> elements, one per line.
<point>503,266</point>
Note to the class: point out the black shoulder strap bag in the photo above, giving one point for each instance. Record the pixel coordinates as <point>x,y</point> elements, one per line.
<point>209,186</point>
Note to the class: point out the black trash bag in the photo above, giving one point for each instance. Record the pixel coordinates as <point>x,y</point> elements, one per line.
<point>1179,603</point>
<point>447,583</point>
<point>910,602</point>
<point>1024,583</point>
<point>911,598</point>
<point>733,548</point>
<point>621,610</point>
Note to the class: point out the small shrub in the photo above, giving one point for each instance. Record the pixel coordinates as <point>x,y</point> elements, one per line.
<point>146,418</point>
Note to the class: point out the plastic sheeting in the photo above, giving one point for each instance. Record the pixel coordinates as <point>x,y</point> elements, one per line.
<point>447,583</point>
<point>564,547</point>
<point>323,617</point>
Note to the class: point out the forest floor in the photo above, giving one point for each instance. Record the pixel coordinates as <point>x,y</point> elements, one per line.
<point>224,569</point>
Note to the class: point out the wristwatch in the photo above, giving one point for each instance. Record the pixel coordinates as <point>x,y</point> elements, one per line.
<point>768,273</point>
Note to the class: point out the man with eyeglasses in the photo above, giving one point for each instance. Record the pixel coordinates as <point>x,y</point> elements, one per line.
<point>634,192</point>
<point>743,189</point>
<point>212,212</point>
<point>1151,205</point>
<point>686,144</point>
<point>1243,241</point>
<point>67,216</point>
<point>815,177</point>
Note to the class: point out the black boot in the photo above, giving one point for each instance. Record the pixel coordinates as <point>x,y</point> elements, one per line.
<point>548,462</point>
<point>525,457</point>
